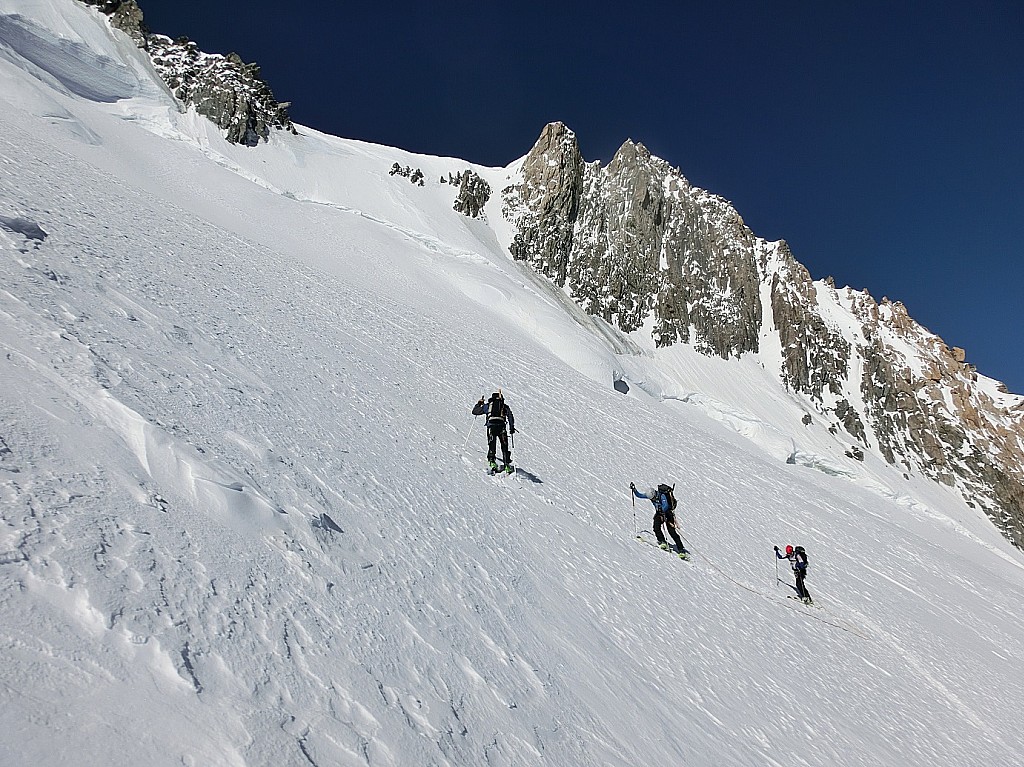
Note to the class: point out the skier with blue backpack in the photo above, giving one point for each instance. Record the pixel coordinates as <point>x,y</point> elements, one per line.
<point>664,500</point>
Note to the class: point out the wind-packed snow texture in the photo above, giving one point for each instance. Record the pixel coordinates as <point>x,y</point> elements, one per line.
<point>245,519</point>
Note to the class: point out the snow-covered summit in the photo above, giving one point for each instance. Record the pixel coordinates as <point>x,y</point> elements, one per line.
<point>243,513</point>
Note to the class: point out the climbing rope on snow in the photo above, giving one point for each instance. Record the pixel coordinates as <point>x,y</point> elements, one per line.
<point>761,594</point>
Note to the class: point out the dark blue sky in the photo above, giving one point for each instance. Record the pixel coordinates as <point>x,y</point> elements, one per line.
<point>885,145</point>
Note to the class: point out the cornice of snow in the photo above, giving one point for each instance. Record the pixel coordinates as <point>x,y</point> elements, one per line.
<point>225,89</point>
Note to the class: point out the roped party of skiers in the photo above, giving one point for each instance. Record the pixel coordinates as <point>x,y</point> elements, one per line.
<point>500,423</point>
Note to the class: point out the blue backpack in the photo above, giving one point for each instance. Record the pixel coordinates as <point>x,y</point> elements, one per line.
<point>666,498</point>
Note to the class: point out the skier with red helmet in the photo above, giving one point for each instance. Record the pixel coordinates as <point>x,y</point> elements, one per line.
<point>798,561</point>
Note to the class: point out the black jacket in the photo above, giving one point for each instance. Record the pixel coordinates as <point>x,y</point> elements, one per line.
<point>500,414</point>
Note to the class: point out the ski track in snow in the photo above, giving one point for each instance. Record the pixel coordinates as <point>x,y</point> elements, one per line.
<point>245,518</point>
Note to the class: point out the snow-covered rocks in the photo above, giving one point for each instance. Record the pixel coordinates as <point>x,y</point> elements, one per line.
<point>225,89</point>
<point>474,193</point>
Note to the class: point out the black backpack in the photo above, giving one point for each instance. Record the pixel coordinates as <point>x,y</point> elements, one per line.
<point>665,490</point>
<point>801,555</point>
<point>496,410</point>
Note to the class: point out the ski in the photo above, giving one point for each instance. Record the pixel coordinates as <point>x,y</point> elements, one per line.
<point>798,599</point>
<point>500,470</point>
<point>683,555</point>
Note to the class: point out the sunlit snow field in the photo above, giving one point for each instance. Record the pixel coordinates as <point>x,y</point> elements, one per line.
<point>245,518</point>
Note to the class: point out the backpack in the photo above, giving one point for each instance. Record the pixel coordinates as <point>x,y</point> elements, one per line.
<point>665,492</point>
<point>800,557</point>
<point>496,411</point>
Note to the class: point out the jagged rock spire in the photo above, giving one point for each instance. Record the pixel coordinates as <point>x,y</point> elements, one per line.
<point>635,243</point>
<point>634,239</point>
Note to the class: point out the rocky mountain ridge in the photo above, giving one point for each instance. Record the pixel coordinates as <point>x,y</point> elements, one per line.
<point>224,89</point>
<point>635,243</point>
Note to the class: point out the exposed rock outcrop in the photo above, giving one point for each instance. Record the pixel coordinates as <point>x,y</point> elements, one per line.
<point>546,204</point>
<point>815,356</point>
<point>474,193</point>
<point>126,16</point>
<point>415,175</point>
<point>938,419</point>
<point>634,241</point>
<point>225,89</point>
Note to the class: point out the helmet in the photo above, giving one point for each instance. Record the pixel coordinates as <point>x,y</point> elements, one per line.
<point>496,395</point>
<point>789,549</point>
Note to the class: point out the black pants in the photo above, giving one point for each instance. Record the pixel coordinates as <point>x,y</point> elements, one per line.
<point>493,435</point>
<point>667,518</point>
<point>801,589</point>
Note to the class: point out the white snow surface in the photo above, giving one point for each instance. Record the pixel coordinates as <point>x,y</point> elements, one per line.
<point>245,519</point>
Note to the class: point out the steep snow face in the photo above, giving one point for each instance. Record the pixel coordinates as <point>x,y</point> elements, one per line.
<point>244,519</point>
<point>70,65</point>
<point>70,50</point>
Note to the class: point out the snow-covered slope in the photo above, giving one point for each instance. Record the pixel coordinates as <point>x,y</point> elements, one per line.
<point>244,517</point>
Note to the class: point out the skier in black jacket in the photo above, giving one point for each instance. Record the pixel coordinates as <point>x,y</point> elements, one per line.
<point>498,413</point>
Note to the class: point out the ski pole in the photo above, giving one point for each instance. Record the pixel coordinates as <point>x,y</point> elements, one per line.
<point>632,497</point>
<point>776,572</point>
<point>470,433</point>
